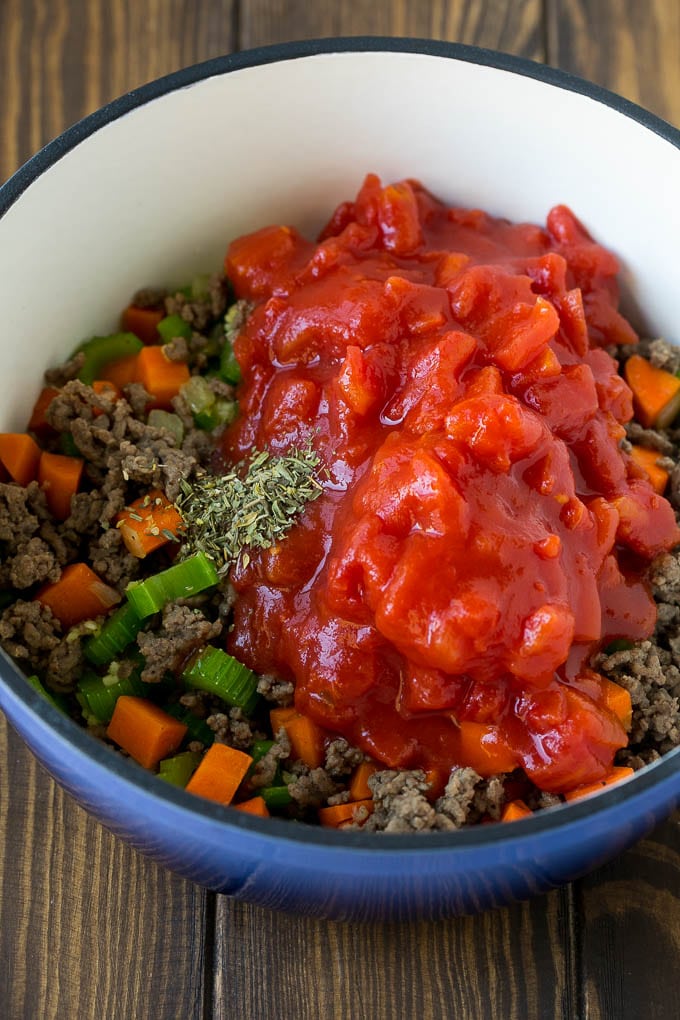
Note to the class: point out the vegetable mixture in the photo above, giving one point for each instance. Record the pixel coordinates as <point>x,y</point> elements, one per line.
<point>376,532</point>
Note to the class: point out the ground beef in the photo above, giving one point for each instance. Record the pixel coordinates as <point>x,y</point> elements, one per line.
<point>199,703</point>
<point>29,632</point>
<point>278,691</point>
<point>312,788</point>
<point>62,374</point>
<point>182,631</point>
<point>138,398</point>
<point>652,678</point>
<point>233,728</point>
<point>149,297</point>
<point>75,402</point>
<point>21,512</point>
<point>400,803</point>
<point>111,560</point>
<point>200,313</point>
<point>649,437</point>
<point>177,349</point>
<point>65,665</point>
<point>264,770</point>
<point>33,563</point>
<point>342,758</point>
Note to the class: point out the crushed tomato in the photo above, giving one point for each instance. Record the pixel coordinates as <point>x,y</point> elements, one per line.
<point>481,533</point>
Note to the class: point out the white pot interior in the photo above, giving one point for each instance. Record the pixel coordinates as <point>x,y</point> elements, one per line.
<point>155,195</point>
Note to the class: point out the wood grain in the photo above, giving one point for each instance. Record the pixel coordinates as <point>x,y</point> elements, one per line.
<point>630,913</point>
<point>628,46</point>
<point>507,963</point>
<point>516,27</point>
<point>88,927</point>
<point>62,59</point>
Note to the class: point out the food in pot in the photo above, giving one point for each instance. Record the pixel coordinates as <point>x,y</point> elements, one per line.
<point>370,531</point>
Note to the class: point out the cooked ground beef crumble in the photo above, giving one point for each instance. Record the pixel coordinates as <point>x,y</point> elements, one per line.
<point>125,456</point>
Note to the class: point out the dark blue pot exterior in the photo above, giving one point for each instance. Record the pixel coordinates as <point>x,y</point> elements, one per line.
<point>338,876</point>
<point>304,869</point>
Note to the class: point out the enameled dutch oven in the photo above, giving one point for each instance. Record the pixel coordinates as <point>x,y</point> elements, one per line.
<point>150,189</point>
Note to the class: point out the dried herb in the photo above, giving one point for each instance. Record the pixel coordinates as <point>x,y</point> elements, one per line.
<point>251,507</point>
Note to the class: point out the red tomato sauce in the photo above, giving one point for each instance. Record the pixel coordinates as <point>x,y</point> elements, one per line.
<point>481,533</point>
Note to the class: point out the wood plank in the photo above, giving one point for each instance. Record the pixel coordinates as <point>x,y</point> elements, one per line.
<point>515,27</point>
<point>88,927</point>
<point>630,914</point>
<point>506,963</point>
<point>628,46</point>
<point>62,59</point>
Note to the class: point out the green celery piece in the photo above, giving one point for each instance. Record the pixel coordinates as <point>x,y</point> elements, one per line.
<point>276,796</point>
<point>222,412</point>
<point>619,645</point>
<point>259,749</point>
<point>197,728</point>
<point>172,326</point>
<point>200,287</point>
<point>101,700</point>
<point>182,580</point>
<point>118,631</point>
<point>7,598</point>
<point>67,445</point>
<point>230,370</point>
<point>55,700</point>
<point>101,350</point>
<point>197,394</point>
<point>214,671</point>
<point>172,423</point>
<point>179,769</point>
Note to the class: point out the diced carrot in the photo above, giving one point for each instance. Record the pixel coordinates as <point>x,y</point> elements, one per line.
<point>437,779</point>
<point>144,730</point>
<point>615,776</point>
<point>20,454</point>
<point>482,747</point>
<point>254,806</point>
<point>306,738</point>
<point>38,423</point>
<point>306,741</point>
<point>358,787</point>
<point>159,376</point>
<point>617,699</point>
<point>121,372</point>
<point>143,322</point>
<point>279,716</point>
<point>59,476</point>
<point>514,810</point>
<point>647,460</point>
<point>356,811</point>
<point>220,773</point>
<point>656,393</point>
<point>149,523</point>
<point>78,595</point>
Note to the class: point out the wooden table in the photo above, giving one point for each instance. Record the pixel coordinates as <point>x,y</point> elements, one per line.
<point>88,928</point>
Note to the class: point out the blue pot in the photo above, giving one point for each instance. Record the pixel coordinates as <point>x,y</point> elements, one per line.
<point>117,172</point>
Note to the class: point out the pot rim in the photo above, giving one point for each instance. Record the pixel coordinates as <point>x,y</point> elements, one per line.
<point>633,790</point>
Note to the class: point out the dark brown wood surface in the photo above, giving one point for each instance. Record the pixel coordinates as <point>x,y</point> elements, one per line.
<point>88,928</point>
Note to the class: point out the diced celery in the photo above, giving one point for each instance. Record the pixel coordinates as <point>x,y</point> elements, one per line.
<point>214,671</point>
<point>172,326</point>
<point>190,577</point>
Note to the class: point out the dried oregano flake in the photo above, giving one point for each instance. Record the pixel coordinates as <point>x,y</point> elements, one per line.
<point>250,507</point>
